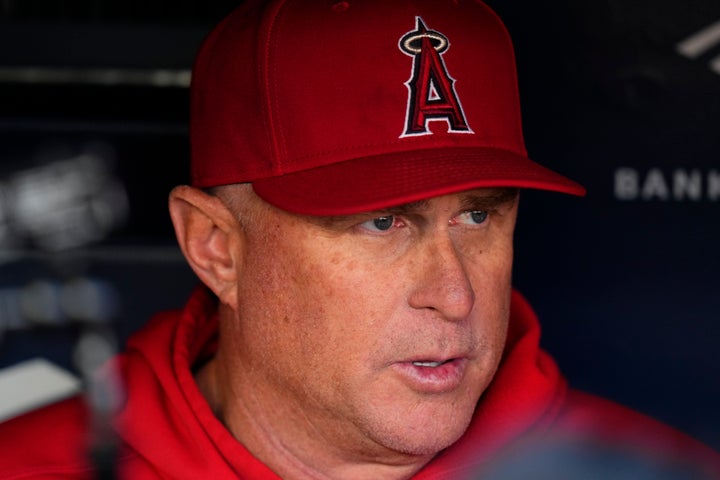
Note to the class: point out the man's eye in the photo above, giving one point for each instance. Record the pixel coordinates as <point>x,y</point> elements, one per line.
<point>379,224</point>
<point>473,217</point>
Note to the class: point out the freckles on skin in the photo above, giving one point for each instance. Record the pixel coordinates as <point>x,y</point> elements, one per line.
<point>431,422</point>
<point>287,280</point>
<point>326,316</point>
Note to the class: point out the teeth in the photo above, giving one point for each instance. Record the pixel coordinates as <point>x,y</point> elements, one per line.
<point>428,364</point>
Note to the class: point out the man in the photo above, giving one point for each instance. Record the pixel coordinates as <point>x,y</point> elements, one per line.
<point>356,168</point>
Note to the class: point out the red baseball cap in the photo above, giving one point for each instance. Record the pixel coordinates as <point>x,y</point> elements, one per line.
<point>337,107</point>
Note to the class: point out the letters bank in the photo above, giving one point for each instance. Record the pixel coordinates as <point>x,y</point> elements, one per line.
<point>675,185</point>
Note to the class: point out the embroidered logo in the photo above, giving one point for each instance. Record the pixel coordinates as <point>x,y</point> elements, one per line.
<point>431,91</point>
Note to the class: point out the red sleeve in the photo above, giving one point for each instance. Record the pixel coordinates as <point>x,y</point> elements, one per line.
<point>49,443</point>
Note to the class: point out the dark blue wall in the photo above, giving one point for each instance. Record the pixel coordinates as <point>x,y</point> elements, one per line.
<point>626,281</point>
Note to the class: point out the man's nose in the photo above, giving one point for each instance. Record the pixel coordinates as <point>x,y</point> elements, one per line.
<point>442,282</point>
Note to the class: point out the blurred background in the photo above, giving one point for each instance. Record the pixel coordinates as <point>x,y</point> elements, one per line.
<point>622,96</point>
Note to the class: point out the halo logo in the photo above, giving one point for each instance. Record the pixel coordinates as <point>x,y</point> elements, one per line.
<point>431,92</point>
<point>700,42</point>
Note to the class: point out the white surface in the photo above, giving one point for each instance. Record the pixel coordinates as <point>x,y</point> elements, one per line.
<point>32,384</point>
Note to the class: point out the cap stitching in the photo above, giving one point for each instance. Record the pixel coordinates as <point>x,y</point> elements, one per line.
<point>268,80</point>
<point>382,145</point>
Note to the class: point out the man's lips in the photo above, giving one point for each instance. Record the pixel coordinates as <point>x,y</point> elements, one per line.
<point>429,363</point>
<point>432,375</point>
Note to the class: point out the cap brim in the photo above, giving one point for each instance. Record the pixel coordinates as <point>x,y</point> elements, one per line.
<point>378,182</point>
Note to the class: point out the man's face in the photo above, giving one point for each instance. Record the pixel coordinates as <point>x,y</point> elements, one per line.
<point>375,333</point>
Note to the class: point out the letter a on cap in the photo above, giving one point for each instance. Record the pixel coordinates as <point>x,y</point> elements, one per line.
<point>431,91</point>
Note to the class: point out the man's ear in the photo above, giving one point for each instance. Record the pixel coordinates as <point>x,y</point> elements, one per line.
<point>209,237</point>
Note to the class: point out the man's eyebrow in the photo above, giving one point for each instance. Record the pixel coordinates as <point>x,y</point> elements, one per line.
<point>407,208</point>
<point>473,200</point>
<point>477,200</point>
<point>487,201</point>
<point>330,221</point>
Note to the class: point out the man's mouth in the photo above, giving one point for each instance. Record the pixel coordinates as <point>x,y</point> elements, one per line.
<point>429,363</point>
<point>433,375</point>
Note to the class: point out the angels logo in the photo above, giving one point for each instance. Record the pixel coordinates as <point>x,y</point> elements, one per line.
<point>431,91</point>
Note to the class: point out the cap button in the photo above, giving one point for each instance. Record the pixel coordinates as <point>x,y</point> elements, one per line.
<point>339,7</point>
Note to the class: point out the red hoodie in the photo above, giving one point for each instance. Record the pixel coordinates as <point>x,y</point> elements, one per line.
<point>528,423</point>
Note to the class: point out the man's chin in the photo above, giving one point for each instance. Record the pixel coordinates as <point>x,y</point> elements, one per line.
<point>427,436</point>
